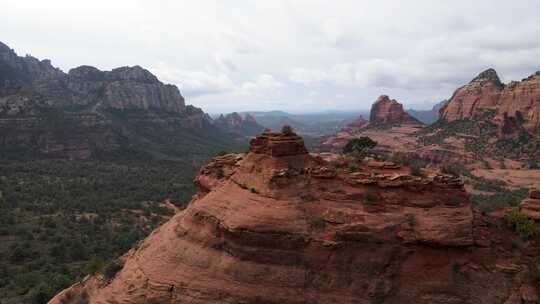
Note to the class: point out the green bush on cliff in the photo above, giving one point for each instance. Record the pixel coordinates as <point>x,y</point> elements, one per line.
<point>521,224</point>
<point>359,146</point>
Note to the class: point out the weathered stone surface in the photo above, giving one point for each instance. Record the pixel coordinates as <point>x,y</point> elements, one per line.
<point>389,111</point>
<point>516,105</point>
<point>277,144</point>
<point>481,94</point>
<point>531,205</point>
<point>87,111</point>
<point>247,238</point>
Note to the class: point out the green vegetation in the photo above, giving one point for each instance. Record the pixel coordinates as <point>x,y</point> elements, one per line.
<point>287,130</point>
<point>453,169</point>
<point>501,197</point>
<point>318,223</point>
<point>359,146</point>
<point>479,133</point>
<point>411,219</point>
<point>521,224</point>
<point>371,197</point>
<point>416,170</point>
<point>61,220</point>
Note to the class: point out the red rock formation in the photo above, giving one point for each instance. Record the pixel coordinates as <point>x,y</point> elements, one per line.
<point>279,225</point>
<point>234,123</point>
<point>389,111</point>
<point>356,124</point>
<point>531,205</point>
<point>516,105</point>
<point>277,144</point>
<point>481,94</point>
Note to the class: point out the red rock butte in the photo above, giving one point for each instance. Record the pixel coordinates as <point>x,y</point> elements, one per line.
<point>279,225</point>
<point>389,111</point>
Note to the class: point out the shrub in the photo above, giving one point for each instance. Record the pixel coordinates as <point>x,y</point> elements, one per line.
<point>371,197</point>
<point>318,223</point>
<point>411,218</point>
<point>222,152</point>
<point>359,146</point>
<point>450,169</point>
<point>111,269</point>
<point>353,167</point>
<point>521,224</point>
<point>287,130</point>
<point>95,265</point>
<point>416,170</point>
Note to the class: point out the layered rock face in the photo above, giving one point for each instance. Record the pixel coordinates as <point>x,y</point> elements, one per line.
<point>86,112</point>
<point>88,88</point>
<point>15,70</point>
<point>279,225</point>
<point>389,111</point>
<point>531,205</point>
<point>516,106</point>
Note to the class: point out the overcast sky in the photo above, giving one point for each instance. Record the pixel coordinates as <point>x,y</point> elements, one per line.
<point>293,55</point>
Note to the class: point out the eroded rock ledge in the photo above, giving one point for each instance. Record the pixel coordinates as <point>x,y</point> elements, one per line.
<point>280,225</point>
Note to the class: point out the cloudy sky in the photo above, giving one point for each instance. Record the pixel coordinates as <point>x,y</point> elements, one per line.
<point>294,55</point>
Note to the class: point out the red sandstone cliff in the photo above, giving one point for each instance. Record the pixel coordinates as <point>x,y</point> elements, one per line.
<point>279,225</point>
<point>516,105</point>
<point>389,111</point>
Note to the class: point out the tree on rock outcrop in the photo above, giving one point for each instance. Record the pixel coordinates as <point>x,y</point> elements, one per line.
<point>359,146</point>
<point>287,130</point>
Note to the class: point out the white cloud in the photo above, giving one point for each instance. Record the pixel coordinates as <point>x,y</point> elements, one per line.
<point>307,76</point>
<point>194,83</point>
<point>264,54</point>
<point>263,84</point>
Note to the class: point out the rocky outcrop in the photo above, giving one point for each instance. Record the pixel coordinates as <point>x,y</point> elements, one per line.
<point>531,205</point>
<point>45,112</point>
<point>292,227</point>
<point>16,71</point>
<point>356,124</point>
<point>87,88</point>
<point>386,111</point>
<point>515,106</point>
<point>481,94</point>
<point>277,144</point>
<point>234,123</point>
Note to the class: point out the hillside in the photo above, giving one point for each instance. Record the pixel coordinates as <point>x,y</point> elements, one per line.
<point>87,113</point>
<point>90,163</point>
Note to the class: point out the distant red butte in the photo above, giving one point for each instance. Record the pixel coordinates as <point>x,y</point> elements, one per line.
<point>389,111</point>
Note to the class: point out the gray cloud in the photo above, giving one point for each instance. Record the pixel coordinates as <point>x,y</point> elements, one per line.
<point>298,55</point>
